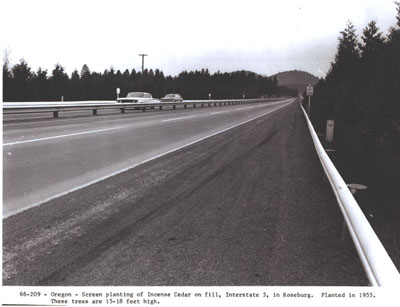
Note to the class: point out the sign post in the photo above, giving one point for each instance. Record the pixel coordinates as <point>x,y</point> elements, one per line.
<point>330,126</point>
<point>118,92</point>
<point>310,92</point>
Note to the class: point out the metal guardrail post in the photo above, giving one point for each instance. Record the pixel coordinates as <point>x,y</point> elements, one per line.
<point>377,264</point>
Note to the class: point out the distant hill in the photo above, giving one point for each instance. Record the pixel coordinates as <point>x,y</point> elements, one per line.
<point>296,79</point>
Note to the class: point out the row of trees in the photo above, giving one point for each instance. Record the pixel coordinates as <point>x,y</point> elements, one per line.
<point>361,93</point>
<point>23,84</point>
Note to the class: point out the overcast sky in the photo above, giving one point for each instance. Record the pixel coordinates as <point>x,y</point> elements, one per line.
<point>261,36</point>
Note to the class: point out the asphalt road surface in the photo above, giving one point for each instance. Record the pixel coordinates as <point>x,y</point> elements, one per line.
<point>44,159</point>
<point>245,207</point>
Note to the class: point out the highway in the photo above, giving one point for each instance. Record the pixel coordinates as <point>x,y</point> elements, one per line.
<point>215,196</point>
<point>47,158</point>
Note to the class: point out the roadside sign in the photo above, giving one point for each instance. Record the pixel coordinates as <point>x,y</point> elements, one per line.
<point>330,126</point>
<point>310,90</point>
<point>118,92</point>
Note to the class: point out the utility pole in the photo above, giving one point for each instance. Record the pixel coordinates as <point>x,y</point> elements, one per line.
<point>142,55</point>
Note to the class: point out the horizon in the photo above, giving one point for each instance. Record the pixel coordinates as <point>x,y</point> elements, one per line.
<point>227,36</point>
<point>165,75</point>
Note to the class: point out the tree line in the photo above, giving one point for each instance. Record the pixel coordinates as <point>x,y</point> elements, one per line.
<point>361,92</point>
<point>20,83</point>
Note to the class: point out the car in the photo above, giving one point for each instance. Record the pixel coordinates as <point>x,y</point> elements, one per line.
<point>138,97</point>
<point>172,98</point>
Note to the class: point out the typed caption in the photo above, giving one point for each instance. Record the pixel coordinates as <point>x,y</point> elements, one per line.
<point>176,296</point>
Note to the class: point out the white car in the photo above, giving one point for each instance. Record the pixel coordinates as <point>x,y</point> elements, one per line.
<point>172,98</point>
<point>138,97</point>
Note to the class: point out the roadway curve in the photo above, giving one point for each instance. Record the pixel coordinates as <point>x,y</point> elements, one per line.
<point>244,207</point>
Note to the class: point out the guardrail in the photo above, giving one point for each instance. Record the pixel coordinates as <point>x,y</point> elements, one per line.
<point>55,108</point>
<point>378,266</point>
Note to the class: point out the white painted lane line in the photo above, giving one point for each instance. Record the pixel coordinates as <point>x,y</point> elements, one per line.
<point>177,118</point>
<point>219,112</point>
<point>62,136</point>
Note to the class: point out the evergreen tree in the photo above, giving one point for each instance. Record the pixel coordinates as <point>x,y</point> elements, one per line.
<point>40,86</point>
<point>21,85</point>
<point>86,80</point>
<point>371,78</point>
<point>343,76</point>
<point>361,92</point>
<point>348,51</point>
<point>392,84</point>
<point>88,85</point>
<point>59,81</point>
<point>75,86</point>
<point>7,77</point>
<point>373,41</point>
